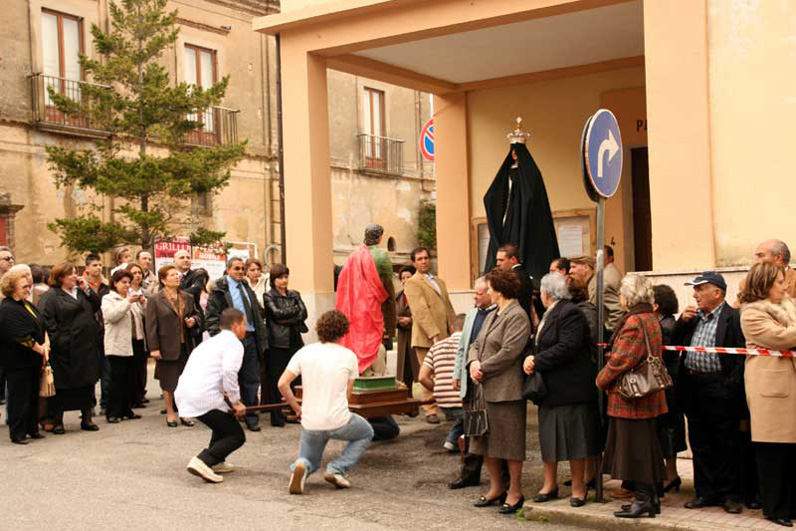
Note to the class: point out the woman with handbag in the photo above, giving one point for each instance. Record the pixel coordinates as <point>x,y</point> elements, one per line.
<point>23,351</point>
<point>285,314</point>
<point>635,399</point>
<point>569,421</point>
<point>495,366</point>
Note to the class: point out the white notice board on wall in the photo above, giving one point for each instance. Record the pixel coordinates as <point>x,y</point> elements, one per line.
<point>576,232</point>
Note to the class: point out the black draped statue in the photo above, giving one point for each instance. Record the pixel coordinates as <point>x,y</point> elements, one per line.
<point>518,212</point>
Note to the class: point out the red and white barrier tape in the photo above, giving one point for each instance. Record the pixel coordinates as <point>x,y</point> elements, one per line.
<point>739,351</point>
<point>727,350</point>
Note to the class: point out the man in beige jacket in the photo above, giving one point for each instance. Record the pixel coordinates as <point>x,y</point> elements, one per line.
<point>432,314</point>
<point>582,268</point>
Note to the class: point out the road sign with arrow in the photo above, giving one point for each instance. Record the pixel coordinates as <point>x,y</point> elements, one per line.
<point>602,153</point>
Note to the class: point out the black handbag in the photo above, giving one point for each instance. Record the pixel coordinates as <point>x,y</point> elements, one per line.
<point>476,420</point>
<point>534,388</point>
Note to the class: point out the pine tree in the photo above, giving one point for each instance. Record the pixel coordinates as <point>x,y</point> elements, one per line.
<point>143,162</point>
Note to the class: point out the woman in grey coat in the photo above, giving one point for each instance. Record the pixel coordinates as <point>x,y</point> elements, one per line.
<point>495,365</point>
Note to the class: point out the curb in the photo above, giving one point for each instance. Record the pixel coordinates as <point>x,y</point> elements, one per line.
<point>544,513</point>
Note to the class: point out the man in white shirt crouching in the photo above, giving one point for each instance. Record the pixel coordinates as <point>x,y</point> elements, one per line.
<point>328,371</point>
<point>208,391</point>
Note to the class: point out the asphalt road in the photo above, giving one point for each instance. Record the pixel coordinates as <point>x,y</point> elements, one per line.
<point>132,476</point>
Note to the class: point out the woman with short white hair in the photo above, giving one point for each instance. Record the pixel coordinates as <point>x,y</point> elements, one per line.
<point>569,421</point>
<point>633,450</point>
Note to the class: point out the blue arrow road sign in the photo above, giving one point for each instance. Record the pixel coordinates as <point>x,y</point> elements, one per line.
<point>602,152</point>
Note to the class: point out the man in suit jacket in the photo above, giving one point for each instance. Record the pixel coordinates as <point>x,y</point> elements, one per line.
<point>232,291</point>
<point>508,259</point>
<point>192,281</point>
<point>582,268</point>
<point>712,390</point>
<point>432,313</point>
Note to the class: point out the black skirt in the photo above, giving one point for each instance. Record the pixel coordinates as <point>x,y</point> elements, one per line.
<point>633,451</point>
<point>72,399</point>
<point>569,432</point>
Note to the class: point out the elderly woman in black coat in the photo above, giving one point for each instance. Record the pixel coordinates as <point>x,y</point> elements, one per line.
<point>68,311</point>
<point>285,314</point>
<point>22,354</point>
<point>569,427</point>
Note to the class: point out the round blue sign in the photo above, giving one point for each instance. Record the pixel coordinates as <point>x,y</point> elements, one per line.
<point>602,152</point>
<point>427,140</point>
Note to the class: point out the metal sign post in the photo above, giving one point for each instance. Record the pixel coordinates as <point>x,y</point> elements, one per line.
<point>601,160</point>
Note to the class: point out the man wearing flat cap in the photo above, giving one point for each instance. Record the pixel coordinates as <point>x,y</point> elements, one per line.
<point>582,268</point>
<point>712,391</point>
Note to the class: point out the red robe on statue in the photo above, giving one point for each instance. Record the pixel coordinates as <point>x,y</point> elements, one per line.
<point>360,294</point>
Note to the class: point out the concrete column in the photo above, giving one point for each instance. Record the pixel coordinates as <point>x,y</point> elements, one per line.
<point>681,190</point>
<point>308,197</point>
<point>453,202</point>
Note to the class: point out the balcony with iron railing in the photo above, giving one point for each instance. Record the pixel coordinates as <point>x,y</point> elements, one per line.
<point>47,116</point>
<point>219,124</point>
<point>380,154</point>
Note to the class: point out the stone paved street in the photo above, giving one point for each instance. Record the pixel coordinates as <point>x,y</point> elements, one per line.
<point>132,476</point>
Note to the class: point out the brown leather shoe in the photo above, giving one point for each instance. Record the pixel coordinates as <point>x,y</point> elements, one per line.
<point>621,494</point>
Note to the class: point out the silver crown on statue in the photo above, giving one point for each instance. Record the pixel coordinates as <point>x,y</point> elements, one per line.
<point>518,136</point>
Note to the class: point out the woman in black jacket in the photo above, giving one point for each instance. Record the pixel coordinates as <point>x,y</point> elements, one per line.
<point>68,310</point>
<point>285,314</point>
<point>569,427</point>
<point>22,354</point>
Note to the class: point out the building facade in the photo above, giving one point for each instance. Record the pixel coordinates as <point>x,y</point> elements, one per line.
<point>375,153</point>
<point>702,89</point>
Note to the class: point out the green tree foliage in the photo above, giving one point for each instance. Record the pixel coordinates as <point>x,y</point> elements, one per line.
<point>427,225</point>
<point>143,163</point>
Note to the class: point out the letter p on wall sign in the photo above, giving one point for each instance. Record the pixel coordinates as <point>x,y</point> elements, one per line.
<point>602,154</point>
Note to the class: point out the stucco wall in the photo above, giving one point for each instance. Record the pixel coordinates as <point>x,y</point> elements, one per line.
<point>752,69</point>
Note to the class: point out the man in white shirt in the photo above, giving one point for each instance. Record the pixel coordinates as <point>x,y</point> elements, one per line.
<point>327,371</point>
<point>208,389</point>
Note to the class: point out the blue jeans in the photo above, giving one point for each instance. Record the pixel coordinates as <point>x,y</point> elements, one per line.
<point>357,432</point>
<point>457,414</point>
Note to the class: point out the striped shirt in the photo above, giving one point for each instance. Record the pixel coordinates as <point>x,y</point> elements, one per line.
<point>704,336</point>
<point>441,359</point>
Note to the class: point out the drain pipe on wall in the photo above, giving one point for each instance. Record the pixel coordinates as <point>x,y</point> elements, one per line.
<point>280,150</point>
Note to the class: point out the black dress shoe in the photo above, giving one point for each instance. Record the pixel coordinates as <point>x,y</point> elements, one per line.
<point>113,420</point>
<point>172,423</point>
<point>754,505</point>
<point>483,501</point>
<point>459,483</point>
<point>36,435</point>
<point>59,429</point>
<point>542,497</point>
<point>732,507</point>
<point>131,416</point>
<point>187,422</point>
<point>20,441</point>
<point>89,426</point>
<point>511,509</point>
<point>784,522</point>
<point>577,502</point>
<point>700,503</point>
<point>674,485</point>
<point>253,427</point>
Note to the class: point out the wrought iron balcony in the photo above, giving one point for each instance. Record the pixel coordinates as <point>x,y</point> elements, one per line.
<point>220,127</point>
<point>47,116</point>
<point>381,154</point>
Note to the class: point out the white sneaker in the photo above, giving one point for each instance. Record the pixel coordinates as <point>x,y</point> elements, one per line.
<point>297,477</point>
<point>338,480</point>
<point>197,467</point>
<point>224,468</point>
<point>449,446</point>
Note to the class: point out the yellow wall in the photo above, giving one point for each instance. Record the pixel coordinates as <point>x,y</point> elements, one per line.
<point>554,112</point>
<point>752,69</point>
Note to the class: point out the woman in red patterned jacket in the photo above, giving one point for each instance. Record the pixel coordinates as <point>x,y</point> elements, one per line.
<point>632,451</point>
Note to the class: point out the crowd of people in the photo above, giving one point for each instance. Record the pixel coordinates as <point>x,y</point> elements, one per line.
<point>249,328</point>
